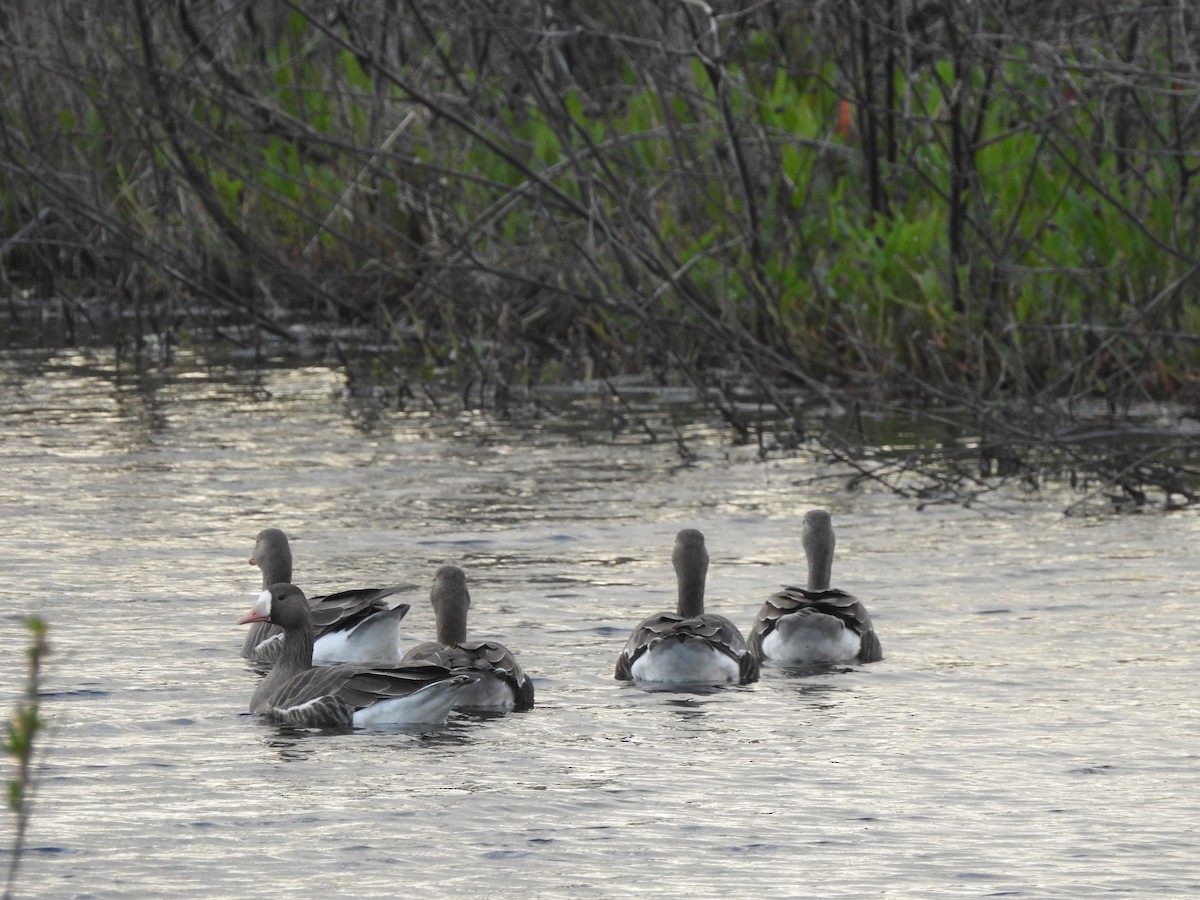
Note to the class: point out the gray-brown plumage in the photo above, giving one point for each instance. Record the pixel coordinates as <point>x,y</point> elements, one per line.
<point>688,645</point>
<point>817,624</point>
<point>351,625</point>
<point>341,696</point>
<point>503,684</point>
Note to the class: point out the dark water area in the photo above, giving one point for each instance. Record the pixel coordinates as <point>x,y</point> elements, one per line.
<point>1032,730</point>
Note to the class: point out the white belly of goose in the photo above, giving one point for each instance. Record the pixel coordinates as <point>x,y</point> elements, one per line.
<point>370,639</point>
<point>429,705</point>
<point>688,661</point>
<point>811,637</point>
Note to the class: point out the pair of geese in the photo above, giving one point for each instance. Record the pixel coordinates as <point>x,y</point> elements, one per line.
<point>335,661</point>
<point>308,640</point>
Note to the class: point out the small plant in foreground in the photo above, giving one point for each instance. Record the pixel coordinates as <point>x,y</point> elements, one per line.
<point>19,742</point>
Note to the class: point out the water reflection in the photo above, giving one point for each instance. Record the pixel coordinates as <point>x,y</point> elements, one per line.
<point>698,690</point>
<point>294,743</point>
<point>820,694</point>
<point>290,745</point>
<point>811,670</point>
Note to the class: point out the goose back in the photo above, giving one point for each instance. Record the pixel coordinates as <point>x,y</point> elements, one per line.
<point>688,645</point>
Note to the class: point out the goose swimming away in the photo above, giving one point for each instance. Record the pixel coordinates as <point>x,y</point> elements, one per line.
<point>503,685</point>
<point>361,694</point>
<point>818,624</point>
<point>688,646</point>
<point>350,626</point>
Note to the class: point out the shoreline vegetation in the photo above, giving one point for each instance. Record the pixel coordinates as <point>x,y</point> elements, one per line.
<point>877,205</point>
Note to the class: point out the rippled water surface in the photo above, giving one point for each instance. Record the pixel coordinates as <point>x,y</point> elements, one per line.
<point>1033,730</point>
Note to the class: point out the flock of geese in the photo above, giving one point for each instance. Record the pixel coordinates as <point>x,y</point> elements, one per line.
<point>335,661</point>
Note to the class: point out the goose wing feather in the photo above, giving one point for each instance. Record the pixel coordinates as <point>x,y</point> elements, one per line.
<point>345,609</point>
<point>714,629</point>
<point>480,657</point>
<point>832,602</point>
<point>352,686</point>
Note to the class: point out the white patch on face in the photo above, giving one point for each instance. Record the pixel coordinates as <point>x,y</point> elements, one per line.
<point>263,605</point>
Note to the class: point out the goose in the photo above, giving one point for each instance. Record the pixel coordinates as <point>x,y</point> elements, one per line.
<point>350,626</point>
<point>503,685</point>
<point>688,645</point>
<point>348,695</point>
<point>817,624</point>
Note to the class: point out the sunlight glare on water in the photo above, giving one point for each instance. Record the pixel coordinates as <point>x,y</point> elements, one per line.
<point>1030,732</point>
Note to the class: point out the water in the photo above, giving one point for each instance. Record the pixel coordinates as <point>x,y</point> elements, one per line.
<point>1031,732</point>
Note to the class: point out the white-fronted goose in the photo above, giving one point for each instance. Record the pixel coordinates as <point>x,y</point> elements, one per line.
<point>688,646</point>
<point>503,685</point>
<point>295,692</point>
<point>350,626</point>
<point>817,625</point>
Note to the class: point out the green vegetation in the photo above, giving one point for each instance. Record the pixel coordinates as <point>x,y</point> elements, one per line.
<point>19,740</point>
<point>887,201</point>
